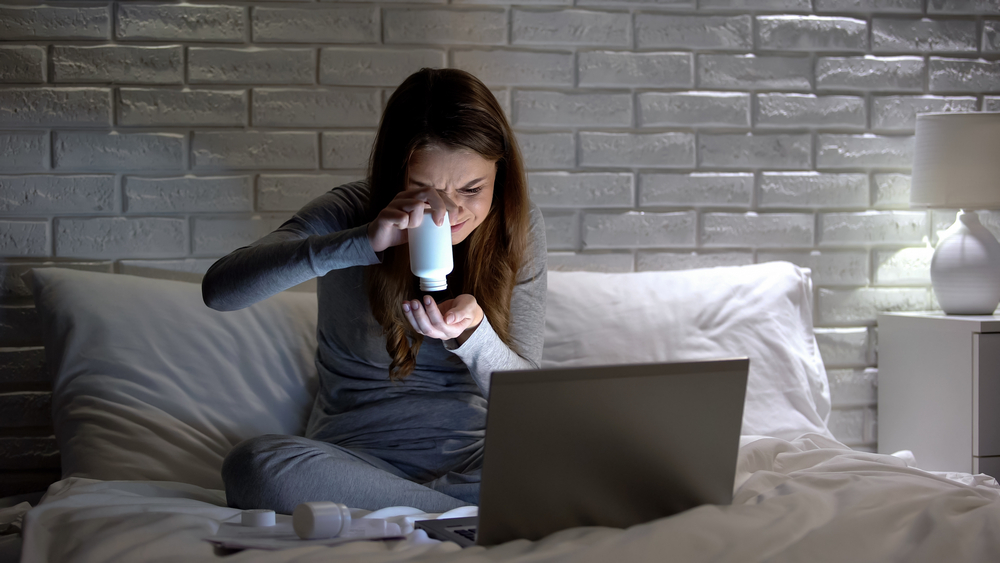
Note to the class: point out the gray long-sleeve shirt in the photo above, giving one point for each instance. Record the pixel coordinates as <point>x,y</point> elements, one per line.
<point>442,403</point>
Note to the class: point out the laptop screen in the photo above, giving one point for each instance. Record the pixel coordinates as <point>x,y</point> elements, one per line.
<point>608,445</point>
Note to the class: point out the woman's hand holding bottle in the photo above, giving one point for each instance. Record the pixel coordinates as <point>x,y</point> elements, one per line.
<point>404,211</point>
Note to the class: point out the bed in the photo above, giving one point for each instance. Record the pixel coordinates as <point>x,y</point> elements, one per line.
<point>152,389</point>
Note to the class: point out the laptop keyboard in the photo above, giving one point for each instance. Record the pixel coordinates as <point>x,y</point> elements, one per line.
<point>467,533</point>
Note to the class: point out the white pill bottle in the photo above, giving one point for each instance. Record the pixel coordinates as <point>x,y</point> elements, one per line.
<point>430,253</point>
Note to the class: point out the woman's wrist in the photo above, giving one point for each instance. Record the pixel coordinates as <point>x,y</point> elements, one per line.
<point>467,333</point>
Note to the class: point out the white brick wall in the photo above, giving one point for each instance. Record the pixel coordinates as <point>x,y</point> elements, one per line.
<point>658,136</point>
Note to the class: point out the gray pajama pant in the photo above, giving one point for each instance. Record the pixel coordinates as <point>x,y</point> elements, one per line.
<point>280,472</point>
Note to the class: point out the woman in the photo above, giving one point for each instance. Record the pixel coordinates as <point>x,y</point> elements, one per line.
<point>400,414</point>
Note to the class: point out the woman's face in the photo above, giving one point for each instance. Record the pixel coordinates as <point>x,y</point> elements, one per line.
<point>463,176</point>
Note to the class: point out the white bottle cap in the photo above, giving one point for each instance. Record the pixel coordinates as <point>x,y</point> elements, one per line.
<point>316,520</point>
<point>258,517</point>
<point>433,284</point>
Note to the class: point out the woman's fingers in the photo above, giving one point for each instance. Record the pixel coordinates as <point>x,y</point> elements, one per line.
<point>426,318</point>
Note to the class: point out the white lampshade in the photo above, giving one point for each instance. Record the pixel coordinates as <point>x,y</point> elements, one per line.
<point>957,165</point>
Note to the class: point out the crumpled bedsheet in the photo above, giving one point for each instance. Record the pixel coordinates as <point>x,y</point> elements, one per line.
<point>811,499</point>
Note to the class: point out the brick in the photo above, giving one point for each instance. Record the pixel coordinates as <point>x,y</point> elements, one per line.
<point>29,453</point>
<point>541,108</point>
<point>121,237</point>
<point>657,150</point>
<point>671,261</point>
<point>811,33</point>
<point>990,220</point>
<point>991,36</point>
<point>848,425</point>
<point>503,2</point>
<point>751,72</point>
<point>562,229</point>
<point>254,150</point>
<point>254,65</point>
<point>55,107</point>
<point>23,150</point>
<point>764,5</point>
<point>517,68</point>
<point>829,267</point>
<point>315,25</point>
<point>670,4</point>
<point>906,266</point>
<point>29,23</point>
<point>23,365</point>
<point>991,103</point>
<point>899,113</point>
<point>853,387</point>
<point>636,229</point>
<point>860,306</point>
<point>813,190</point>
<point>289,192</point>
<point>22,63</point>
<point>374,67</point>
<point>445,26</point>
<point>20,326</point>
<point>757,230</point>
<point>868,6</point>
<point>547,150</point>
<point>174,108</point>
<point>704,109</point>
<point>570,27</point>
<point>621,69</point>
<point>941,219</point>
<point>45,195</point>
<point>608,262</point>
<point>873,227</point>
<point>24,238</point>
<point>654,31</point>
<point>346,149</point>
<point>979,7</point>
<point>700,188</point>
<point>594,189</point>
<point>25,409</point>
<point>14,289</point>
<point>150,22</point>
<point>220,236</point>
<point>891,191</point>
<point>871,73</point>
<point>188,194</point>
<point>963,75</point>
<point>325,107</point>
<point>863,151</point>
<point>845,348</point>
<point>809,110</point>
<point>923,36</point>
<point>28,481</point>
<point>774,151</point>
<point>114,152</point>
<point>119,64</point>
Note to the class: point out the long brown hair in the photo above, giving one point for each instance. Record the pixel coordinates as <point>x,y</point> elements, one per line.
<point>453,109</point>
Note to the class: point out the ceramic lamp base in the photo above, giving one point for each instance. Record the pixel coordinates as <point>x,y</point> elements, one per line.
<point>965,268</point>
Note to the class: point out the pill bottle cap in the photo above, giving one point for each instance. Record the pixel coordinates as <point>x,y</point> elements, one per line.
<point>433,284</point>
<point>315,520</point>
<point>258,517</point>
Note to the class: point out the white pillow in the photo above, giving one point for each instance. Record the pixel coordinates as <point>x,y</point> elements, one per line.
<point>761,311</point>
<point>150,384</point>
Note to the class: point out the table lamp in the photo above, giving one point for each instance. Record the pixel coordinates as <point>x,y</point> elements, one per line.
<point>956,165</point>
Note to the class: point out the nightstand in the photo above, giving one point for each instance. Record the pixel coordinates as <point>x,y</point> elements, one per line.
<point>939,390</point>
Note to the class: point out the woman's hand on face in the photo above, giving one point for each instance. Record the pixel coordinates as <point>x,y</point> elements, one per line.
<point>406,210</point>
<point>455,318</point>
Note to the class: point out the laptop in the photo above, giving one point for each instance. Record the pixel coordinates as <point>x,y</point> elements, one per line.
<point>603,446</point>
